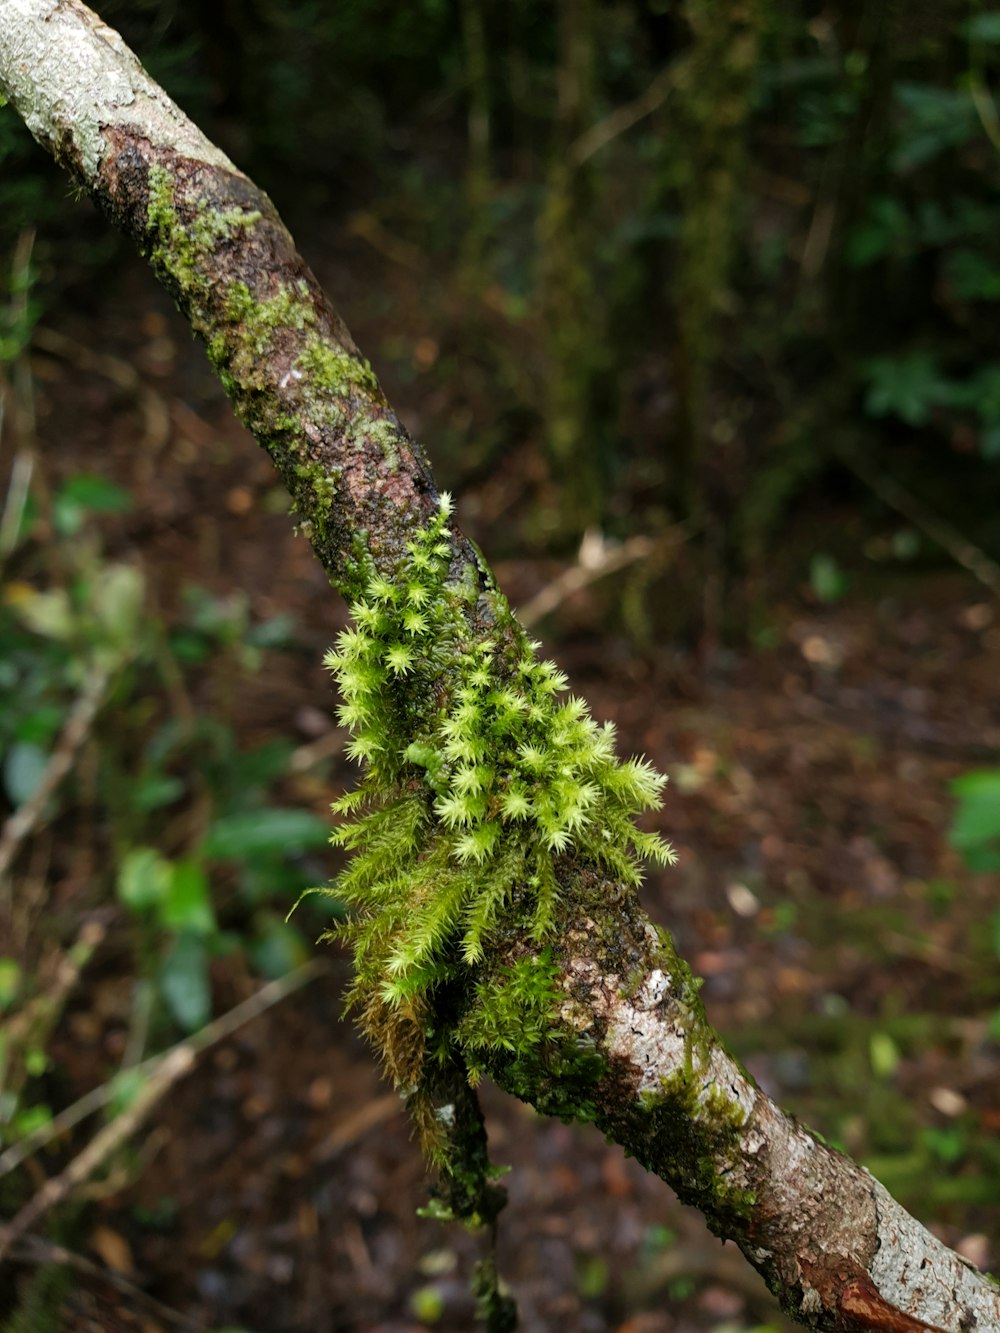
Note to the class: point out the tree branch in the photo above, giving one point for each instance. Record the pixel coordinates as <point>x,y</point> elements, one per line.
<point>628,1045</point>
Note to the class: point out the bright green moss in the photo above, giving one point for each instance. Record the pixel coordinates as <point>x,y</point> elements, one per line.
<point>179,247</point>
<point>182,249</point>
<point>465,802</point>
<point>259,318</point>
<point>513,1012</point>
<point>336,370</point>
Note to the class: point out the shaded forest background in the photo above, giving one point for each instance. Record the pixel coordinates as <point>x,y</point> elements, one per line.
<point>694,307</point>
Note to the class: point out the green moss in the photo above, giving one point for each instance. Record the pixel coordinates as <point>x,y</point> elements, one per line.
<point>463,803</point>
<point>480,780</point>
<point>336,370</point>
<point>259,318</point>
<point>179,247</point>
<point>241,328</point>
<point>182,249</point>
<point>703,1126</point>
<point>322,484</point>
<point>514,1010</point>
<point>383,431</point>
<point>513,1015</point>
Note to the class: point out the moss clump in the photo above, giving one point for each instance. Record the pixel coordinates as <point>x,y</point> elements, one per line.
<point>326,385</point>
<point>703,1126</point>
<point>286,309</point>
<point>514,1012</point>
<point>181,249</point>
<point>478,780</point>
<point>337,370</point>
<point>179,246</point>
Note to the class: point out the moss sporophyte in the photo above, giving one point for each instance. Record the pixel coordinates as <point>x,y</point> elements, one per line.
<point>478,777</point>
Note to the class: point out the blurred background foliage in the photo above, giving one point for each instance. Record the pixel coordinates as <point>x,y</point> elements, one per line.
<point>702,270</point>
<point>733,244</point>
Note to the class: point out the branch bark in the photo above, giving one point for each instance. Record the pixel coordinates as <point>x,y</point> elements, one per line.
<point>838,1251</point>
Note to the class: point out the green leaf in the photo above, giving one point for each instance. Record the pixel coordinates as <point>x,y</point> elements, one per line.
<point>259,767</point>
<point>948,1143</point>
<point>828,580</point>
<point>984,27</point>
<point>270,829</point>
<point>144,879</point>
<point>23,768</point>
<point>117,601</point>
<point>989,443</point>
<point>188,902</point>
<point>156,790</point>
<point>884,1054</point>
<point>97,494</point>
<point>31,1119</point>
<point>273,633</point>
<point>973,277</point>
<point>10,982</point>
<point>279,949</point>
<point>40,725</point>
<point>190,647</point>
<point>185,984</point>
<point>936,120</point>
<point>906,386</point>
<point>975,830</point>
<point>984,393</point>
<point>86,494</point>
<point>125,1087</point>
<point>35,1061</point>
<point>267,877</point>
<point>47,613</point>
<point>886,229</point>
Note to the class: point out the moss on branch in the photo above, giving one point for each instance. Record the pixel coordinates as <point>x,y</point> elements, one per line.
<point>483,788</point>
<point>315,406</point>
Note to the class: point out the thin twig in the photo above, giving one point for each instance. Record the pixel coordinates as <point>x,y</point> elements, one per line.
<point>369,228</point>
<point>938,529</point>
<point>155,414</point>
<point>23,403</point>
<point>36,1250</point>
<point>172,1066</point>
<point>596,559</point>
<point>75,731</point>
<point>356,1125</point>
<point>315,752</point>
<point>210,1035</point>
<point>591,141</point>
<point>34,1021</point>
<point>982,100</point>
<point>16,498</point>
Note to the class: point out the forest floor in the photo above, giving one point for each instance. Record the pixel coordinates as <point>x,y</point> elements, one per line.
<point>845,949</point>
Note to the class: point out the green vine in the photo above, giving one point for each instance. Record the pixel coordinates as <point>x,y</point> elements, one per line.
<point>479,778</point>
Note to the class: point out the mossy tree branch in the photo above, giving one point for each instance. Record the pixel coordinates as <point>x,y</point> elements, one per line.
<point>592,1016</point>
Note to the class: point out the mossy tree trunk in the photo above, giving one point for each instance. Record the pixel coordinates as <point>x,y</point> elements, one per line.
<point>478,172</point>
<point>579,397</point>
<point>604,1023</point>
<point>706,158</point>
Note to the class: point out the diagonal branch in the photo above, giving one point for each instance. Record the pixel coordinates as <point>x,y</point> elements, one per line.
<point>627,1044</point>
